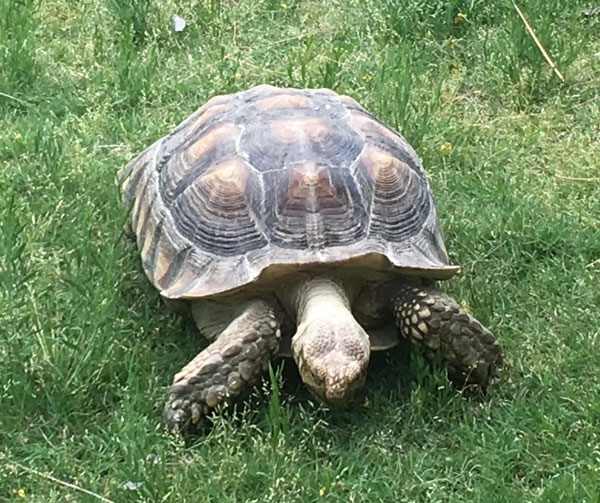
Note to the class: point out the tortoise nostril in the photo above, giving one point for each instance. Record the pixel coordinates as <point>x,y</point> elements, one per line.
<point>337,394</point>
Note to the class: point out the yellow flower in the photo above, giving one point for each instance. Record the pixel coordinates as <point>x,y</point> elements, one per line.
<point>18,137</point>
<point>366,77</point>
<point>451,42</point>
<point>283,5</point>
<point>463,306</point>
<point>322,491</point>
<point>459,17</point>
<point>19,493</point>
<point>367,403</point>
<point>446,147</point>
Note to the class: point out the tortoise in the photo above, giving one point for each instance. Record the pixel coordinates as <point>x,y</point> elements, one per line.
<point>293,221</point>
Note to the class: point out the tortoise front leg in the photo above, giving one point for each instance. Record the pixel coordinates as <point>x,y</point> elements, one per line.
<point>227,368</point>
<point>435,321</point>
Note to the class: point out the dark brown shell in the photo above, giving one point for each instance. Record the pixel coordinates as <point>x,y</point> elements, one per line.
<point>267,181</point>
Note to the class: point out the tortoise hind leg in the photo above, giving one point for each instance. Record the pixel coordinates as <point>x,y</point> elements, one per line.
<point>436,322</point>
<point>227,368</point>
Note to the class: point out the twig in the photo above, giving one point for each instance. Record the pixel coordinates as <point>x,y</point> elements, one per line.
<point>591,264</point>
<point>579,178</point>
<point>538,43</point>
<point>60,482</point>
<point>24,103</point>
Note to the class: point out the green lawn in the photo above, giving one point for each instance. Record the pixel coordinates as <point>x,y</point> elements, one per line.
<point>87,349</point>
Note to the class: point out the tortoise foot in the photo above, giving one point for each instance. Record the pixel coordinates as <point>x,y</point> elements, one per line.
<point>225,370</point>
<point>434,321</point>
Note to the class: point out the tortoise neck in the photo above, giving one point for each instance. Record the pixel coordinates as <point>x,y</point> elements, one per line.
<point>319,298</point>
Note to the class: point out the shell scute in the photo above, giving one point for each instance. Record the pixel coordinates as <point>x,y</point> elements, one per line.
<point>274,144</point>
<point>201,153</point>
<point>207,118</point>
<point>400,203</point>
<point>313,207</point>
<point>378,134</point>
<point>281,101</point>
<point>214,213</point>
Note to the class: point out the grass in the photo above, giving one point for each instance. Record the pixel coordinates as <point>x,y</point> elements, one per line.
<point>87,349</point>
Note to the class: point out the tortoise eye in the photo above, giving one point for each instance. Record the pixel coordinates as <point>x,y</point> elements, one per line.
<point>316,378</point>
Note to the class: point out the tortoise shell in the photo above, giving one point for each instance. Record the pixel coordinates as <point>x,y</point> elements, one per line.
<point>263,182</point>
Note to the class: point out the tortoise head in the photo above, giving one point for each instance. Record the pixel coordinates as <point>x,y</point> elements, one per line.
<point>332,356</point>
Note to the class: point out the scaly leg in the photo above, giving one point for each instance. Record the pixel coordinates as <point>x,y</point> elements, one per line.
<point>227,368</point>
<point>434,321</point>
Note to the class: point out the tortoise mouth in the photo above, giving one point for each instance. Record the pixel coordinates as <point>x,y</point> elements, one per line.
<point>332,400</point>
<point>339,397</point>
<point>337,402</point>
<point>337,388</point>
